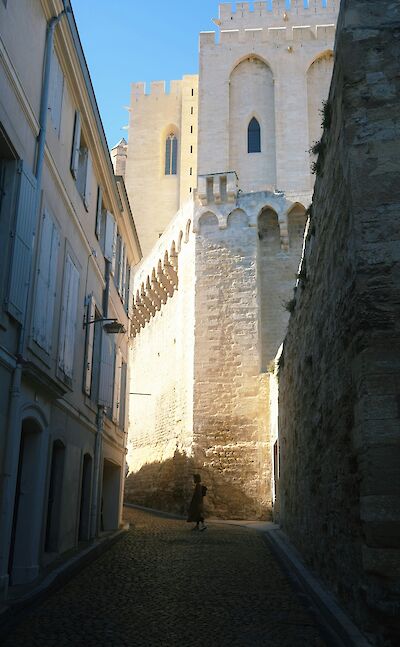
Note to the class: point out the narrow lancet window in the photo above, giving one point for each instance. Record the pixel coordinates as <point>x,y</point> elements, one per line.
<point>254,137</point>
<point>171,155</point>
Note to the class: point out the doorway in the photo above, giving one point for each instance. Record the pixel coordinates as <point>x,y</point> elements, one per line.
<point>86,491</point>
<point>55,498</point>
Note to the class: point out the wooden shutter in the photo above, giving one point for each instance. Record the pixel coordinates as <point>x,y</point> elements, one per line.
<point>22,244</point>
<point>117,386</point>
<point>122,406</point>
<point>46,283</point>
<point>88,367</point>
<point>56,92</point>
<point>87,181</point>
<point>68,317</point>
<point>109,237</point>
<point>123,272</point>
<point>129,297</point>
<point>76,143</point>
<point>99,212</point>
<point>106,371</point>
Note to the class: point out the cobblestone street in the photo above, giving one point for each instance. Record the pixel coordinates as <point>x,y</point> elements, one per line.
<point>163,584</point>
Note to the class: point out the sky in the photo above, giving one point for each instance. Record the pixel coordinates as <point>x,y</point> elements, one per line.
<point>130,40</point>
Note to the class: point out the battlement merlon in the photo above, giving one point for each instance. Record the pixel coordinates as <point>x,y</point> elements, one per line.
<point>295,33</point>
<point>275,13</point>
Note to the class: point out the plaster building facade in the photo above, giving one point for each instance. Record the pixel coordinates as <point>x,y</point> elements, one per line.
<point>223,234</point>
<point>68,249</point>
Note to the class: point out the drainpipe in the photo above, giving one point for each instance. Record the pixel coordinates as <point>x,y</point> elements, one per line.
<point>98,444</point>
<point>13,438</point>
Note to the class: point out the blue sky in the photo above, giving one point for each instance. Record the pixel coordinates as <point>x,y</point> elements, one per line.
<point>129,40</point>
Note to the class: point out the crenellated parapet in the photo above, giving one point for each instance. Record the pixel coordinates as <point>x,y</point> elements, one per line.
<point>276,13</point>
<point>157,89</point>
<point>276,22</point>
<point>157,277</point>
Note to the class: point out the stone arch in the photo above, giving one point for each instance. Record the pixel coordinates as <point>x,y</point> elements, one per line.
<point>26,531</point>
<point>251,95</point>
<point>268,227</point>
<point>318,75</point>
<point>187,230</point>
<point>238,218</point>
<point>207,220</point>
<point>296,222</point>
<point>179,243</point>
<point>250,57</point>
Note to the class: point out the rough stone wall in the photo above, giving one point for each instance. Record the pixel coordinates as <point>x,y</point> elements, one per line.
<point>340,372</point>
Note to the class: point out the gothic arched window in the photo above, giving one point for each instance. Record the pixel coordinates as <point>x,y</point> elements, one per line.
<point>171,155</point>
<point>254,137</point>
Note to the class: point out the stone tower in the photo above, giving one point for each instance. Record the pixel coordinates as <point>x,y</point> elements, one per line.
<point>209,309</point>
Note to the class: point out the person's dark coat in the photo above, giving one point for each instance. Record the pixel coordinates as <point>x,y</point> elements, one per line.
<point>196,507</point>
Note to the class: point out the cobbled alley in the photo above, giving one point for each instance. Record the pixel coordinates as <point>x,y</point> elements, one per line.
<point>164,585</point>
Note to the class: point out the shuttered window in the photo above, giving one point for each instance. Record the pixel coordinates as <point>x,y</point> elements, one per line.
<point>81,162</point>
<point>254,137</point>
<point>56,89</point>
<point>110,237</point>
<point>89,345</point>
<point>117,386</point>
<point>106,386</point>
<point>76,143</point>
<point>22,244</point>
<point>68,318</point>
<point>99,213</point>
<point>171,155</point>
<point>122,406</point>
<point>46,280</point>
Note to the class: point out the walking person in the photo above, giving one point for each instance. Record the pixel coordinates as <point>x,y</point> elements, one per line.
<point>196,507</point>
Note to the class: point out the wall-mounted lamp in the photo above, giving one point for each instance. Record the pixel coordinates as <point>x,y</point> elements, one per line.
<point>110,326</point>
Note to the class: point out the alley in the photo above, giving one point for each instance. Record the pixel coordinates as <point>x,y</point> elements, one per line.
<point>163,585</point>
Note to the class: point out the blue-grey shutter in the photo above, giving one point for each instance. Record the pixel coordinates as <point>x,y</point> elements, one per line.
<point>109,236</point>
<point>87,187</point>
<point>76,143</point>
<point>22,248</point>
<point>56,92</point>
<point>90,317</point>
<point>99,212</point>
<point>117,386</point>
<point>174,156</point>
<point>168,157</point>
<point>46,283</point>
<point>52,285</point>
<point>107,364</point>
<point>122,406</point>
<point>68,317</point>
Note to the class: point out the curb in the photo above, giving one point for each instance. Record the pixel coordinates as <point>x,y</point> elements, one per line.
<point>339,629</point>
<point>13,609</point>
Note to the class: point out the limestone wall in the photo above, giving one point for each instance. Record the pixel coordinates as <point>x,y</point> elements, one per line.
<point>339,373</point>
<point>245,270</point>
<point>284,42</point>
<point>155,195</point>
<point>161,385</point>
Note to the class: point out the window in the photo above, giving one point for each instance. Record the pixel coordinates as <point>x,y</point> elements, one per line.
<point>254,137</point>
<point>190,171</point>
<point>45,294</point>
<point>100,218</point>
<point>192,92</point>
<point>191,110</point>
<point>68,318</point>
<point>171,155</point>
<point>107,368</point>
<point>81,163</point>
<point>191,149</point>
<point>56,92</point>
<point>191,129</point>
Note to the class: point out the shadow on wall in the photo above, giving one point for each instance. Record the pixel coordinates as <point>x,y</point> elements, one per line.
<point>168,486</point>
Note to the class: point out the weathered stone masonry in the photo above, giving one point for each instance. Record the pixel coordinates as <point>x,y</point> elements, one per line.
<point>339,375</point>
